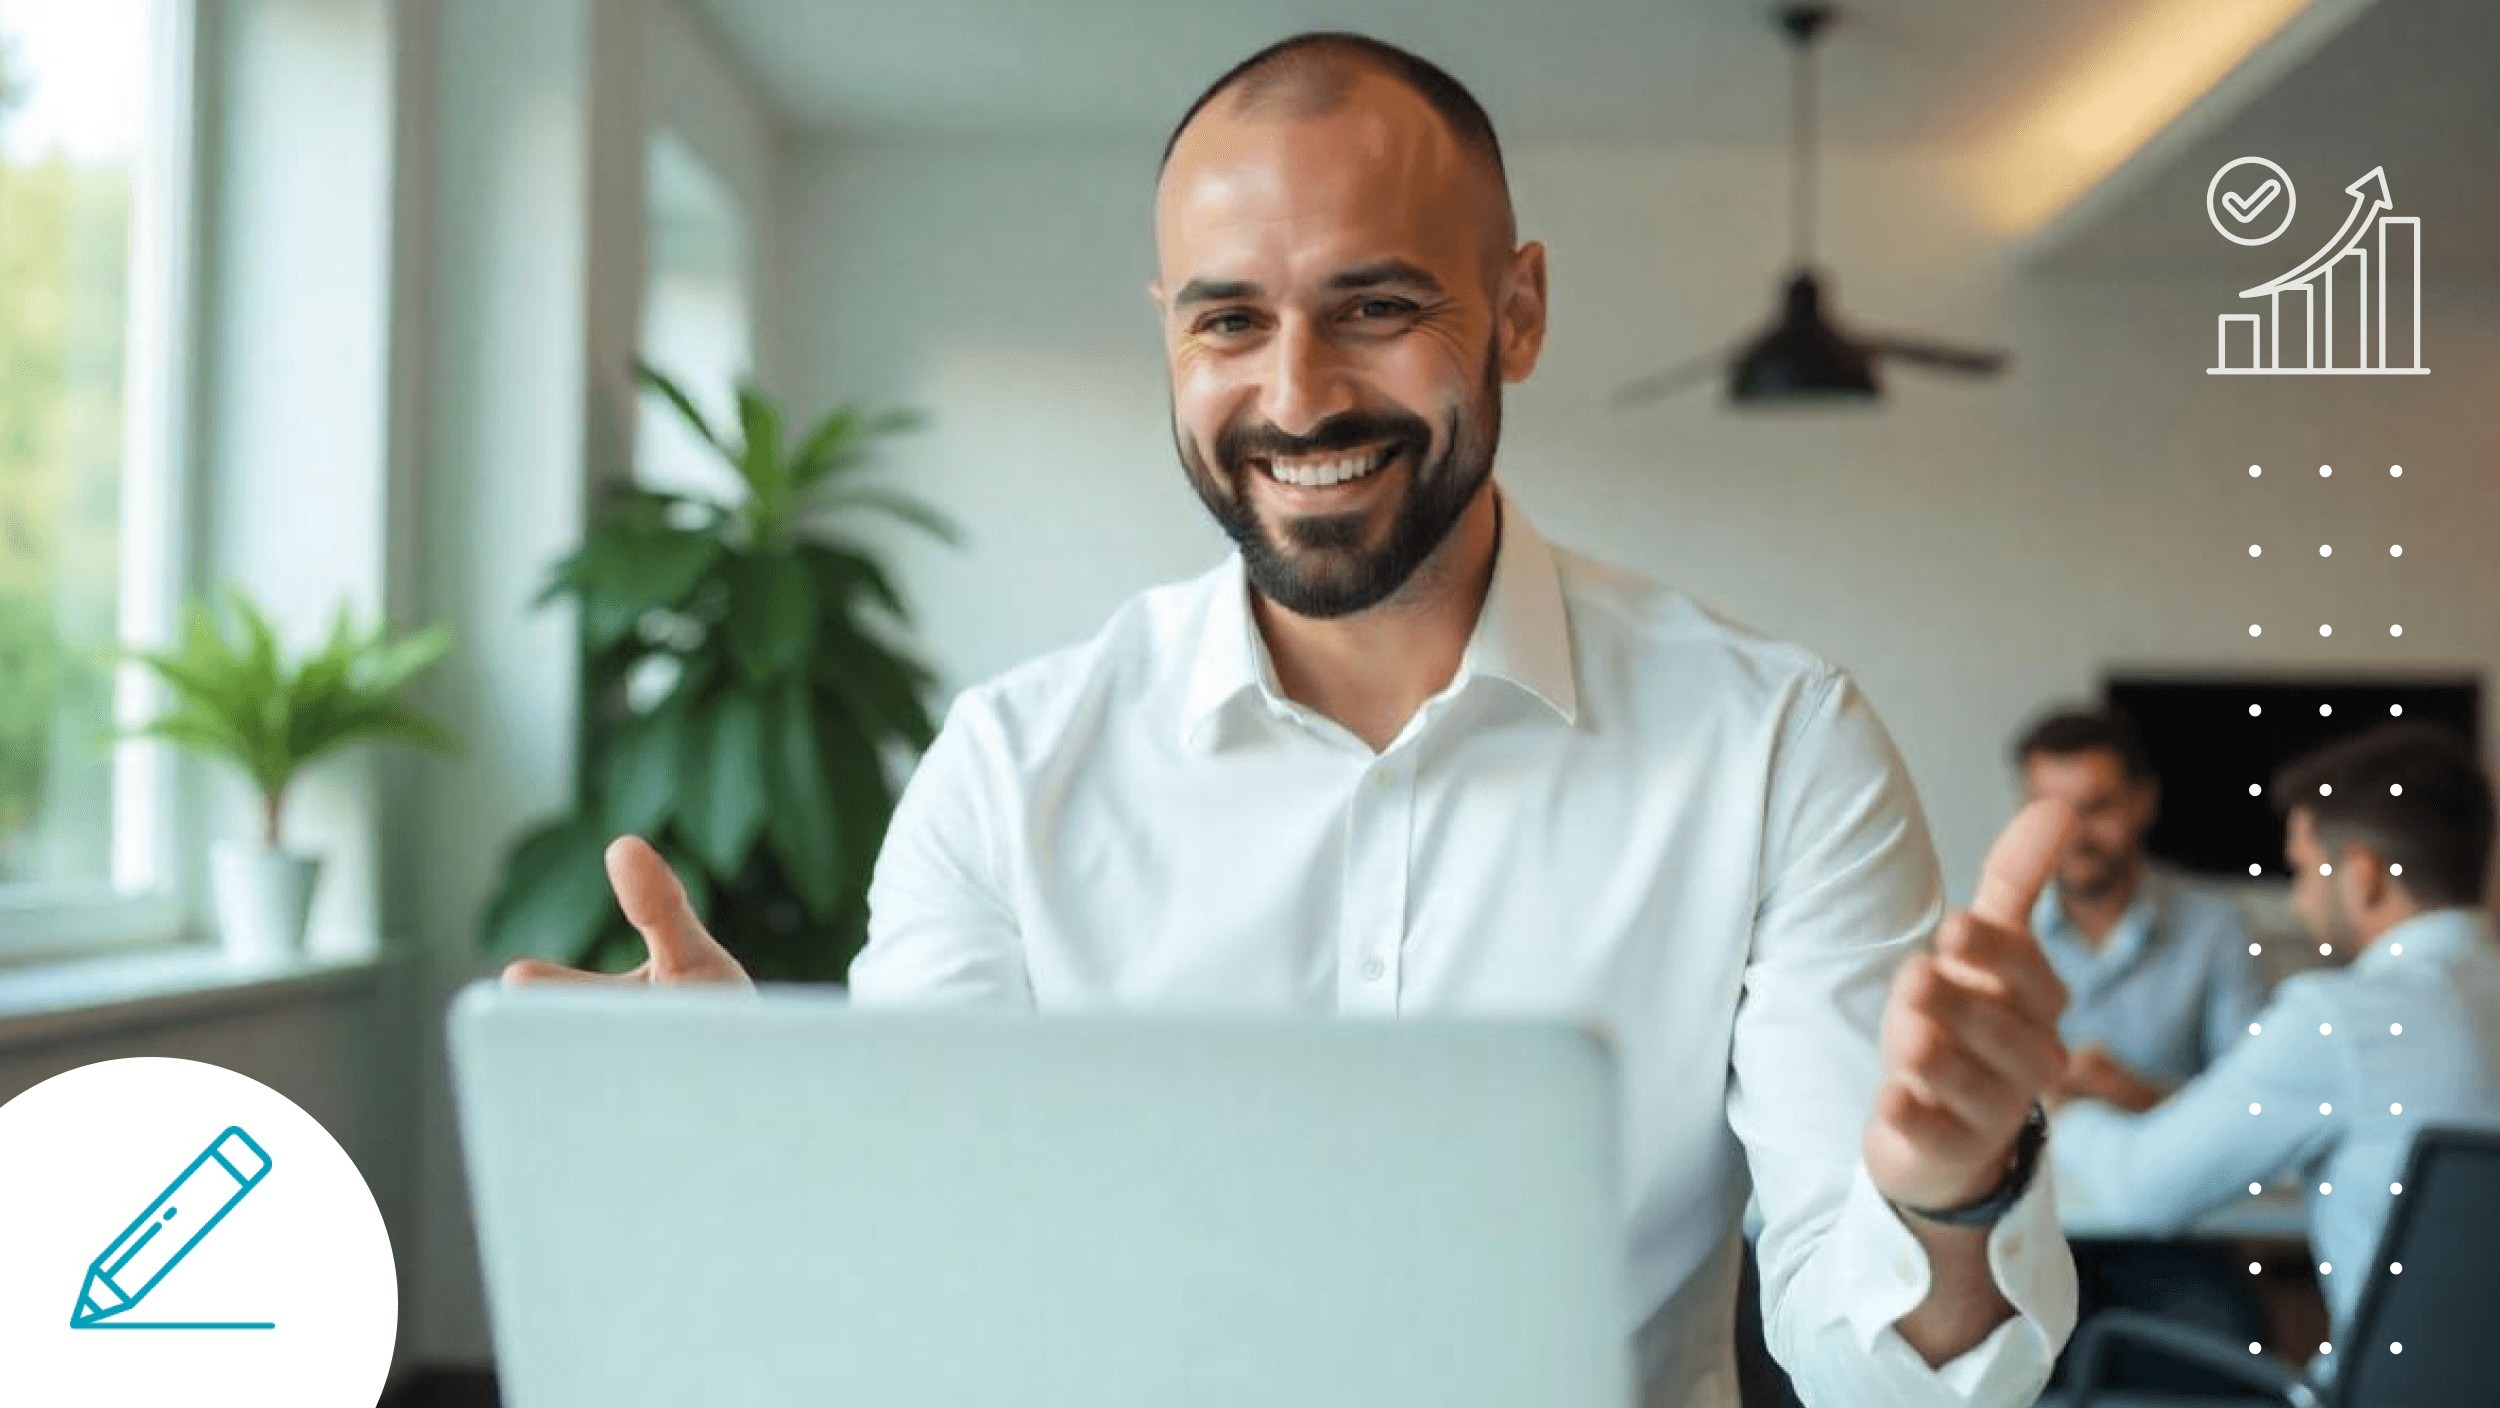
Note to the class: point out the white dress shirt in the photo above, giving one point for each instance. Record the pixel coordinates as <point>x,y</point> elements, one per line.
<point>1622,810</point>
<point>2345,1066</point>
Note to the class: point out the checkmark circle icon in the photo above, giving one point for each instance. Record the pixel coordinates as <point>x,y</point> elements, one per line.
<point>2243,194</point>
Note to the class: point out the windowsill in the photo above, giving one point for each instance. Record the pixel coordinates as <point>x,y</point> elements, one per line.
<point>52,1002</point>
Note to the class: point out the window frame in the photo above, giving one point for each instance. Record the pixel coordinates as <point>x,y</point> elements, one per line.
<point>151,897</point>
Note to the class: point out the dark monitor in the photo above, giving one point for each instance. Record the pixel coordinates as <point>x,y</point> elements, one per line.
<point>2208,749</point>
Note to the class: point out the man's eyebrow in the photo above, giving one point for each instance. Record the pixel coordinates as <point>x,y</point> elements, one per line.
<point>1213,291</point>
<point>1381,273</point>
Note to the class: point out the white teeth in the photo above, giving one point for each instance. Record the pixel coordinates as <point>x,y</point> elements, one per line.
<point>1319,474</point>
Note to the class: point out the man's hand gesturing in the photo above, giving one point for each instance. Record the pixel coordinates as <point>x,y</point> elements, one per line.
<point>680,949</point>
<point>1970,1031</point>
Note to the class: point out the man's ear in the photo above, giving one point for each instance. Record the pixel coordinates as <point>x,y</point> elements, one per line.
<point>1519,323</point>
<point>2361,877</point>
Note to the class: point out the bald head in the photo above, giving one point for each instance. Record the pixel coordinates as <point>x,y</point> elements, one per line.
<point>1342,303</point>
<point>1315,75</point>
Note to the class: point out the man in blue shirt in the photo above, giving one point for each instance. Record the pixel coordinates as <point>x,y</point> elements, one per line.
<point>2389,836</point>
<point>2159,978</point>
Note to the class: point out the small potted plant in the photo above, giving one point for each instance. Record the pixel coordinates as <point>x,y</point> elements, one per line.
<point>238,699</point>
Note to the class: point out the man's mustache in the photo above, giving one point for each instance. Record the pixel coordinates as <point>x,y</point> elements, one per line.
<point>1338,432</point>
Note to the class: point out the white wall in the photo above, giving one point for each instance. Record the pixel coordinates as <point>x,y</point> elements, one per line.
<point>1969,552</point>
<point>519,270</point>
<point>293,376</point>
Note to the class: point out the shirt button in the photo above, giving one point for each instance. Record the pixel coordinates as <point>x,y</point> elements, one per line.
<point>2013,1246</point>
<point>1381,781</point>
<point>1901,1267</point>
<point>1373,968</point>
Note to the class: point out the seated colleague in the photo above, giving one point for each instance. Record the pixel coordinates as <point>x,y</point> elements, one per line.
<point>2389,837</point>
<point>2158,976</point>
<point>1399,756</point>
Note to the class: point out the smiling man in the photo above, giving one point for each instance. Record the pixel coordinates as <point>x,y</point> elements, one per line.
<point>1400,756</point>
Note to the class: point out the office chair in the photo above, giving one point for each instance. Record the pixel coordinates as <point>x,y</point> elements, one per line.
<point>2445,1233</point>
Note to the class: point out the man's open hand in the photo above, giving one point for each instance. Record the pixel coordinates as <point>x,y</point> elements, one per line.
<point>680,949</point>
<point>1970,1031</point>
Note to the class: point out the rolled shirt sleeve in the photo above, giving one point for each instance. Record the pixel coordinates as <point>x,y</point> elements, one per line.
<point>1851,888</point>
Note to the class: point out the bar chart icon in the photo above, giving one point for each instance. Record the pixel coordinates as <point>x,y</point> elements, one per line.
<point>2354,308</point>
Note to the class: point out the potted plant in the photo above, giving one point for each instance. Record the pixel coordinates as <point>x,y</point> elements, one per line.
<point>239,700</point>
<point>746,695</point>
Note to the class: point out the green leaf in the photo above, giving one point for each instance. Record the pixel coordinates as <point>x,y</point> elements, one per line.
<point>772,614</point>
<point>554,900</point>
<point>843,573</point>
<point>829,446</point>
<point>244,702</point>
<point>638,778</point>
<point>884,687</point>
<point>759,459</point>
<point>720,803</point>
<point>388,667</point>
<point>652,380</point>
<point>802,829</point>
<point>630,573</point>
<point>868,499</point>
<point>862,795</point>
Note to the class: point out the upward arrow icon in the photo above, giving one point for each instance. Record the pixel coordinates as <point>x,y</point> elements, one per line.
<point>2369,196</point>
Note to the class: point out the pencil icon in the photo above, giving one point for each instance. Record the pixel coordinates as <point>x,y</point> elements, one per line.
<point>157,1240</point>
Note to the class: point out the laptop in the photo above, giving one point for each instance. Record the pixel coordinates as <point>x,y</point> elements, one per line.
<point>774,1200</point>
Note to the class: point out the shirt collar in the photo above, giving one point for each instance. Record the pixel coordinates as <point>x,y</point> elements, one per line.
<point>2436,934</point>
<point>2134,929</point>
<point>1522,634</point>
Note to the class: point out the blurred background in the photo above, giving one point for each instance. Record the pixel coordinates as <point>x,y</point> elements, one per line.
<point>337,303</point>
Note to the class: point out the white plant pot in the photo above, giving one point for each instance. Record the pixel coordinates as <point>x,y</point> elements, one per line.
<point>263,900</point>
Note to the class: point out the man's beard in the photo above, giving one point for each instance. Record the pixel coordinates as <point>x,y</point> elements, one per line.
<point>2100,877</point>
<point>1324,571</point>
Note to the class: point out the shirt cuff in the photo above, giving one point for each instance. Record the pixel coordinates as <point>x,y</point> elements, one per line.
<point>2027,1258</point>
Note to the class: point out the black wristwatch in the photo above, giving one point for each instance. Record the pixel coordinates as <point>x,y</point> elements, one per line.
<point>2010,1186</point>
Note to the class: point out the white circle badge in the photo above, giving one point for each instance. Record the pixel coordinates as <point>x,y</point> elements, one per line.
<point>172,1232</point>
<point>2250,201</point>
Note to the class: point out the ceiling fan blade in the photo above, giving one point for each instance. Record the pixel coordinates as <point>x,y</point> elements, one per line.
<point>1683,376</point>
<point>1940,356</point>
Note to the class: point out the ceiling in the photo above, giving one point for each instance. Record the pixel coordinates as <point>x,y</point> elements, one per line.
<point>2408,86</point>
<point>1896,71</point>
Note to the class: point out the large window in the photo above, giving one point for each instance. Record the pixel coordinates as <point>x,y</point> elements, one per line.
<point>87,92</point>
<point>696,323</point>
